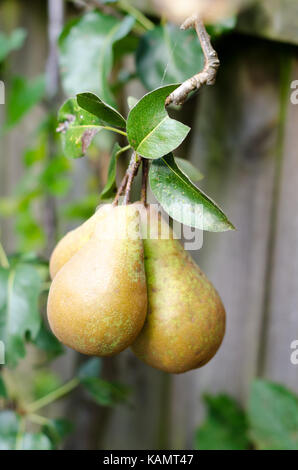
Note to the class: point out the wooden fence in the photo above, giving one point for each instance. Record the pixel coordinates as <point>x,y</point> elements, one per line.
<point>245,141</point>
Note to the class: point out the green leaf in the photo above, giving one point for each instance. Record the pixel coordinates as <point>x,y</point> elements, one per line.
<point>12,42</point>
<point>36,441</point>
<point>54,177</point>
<point>45,382</point>
<point>182,200</point>
<point>225,427</point>
<point>90,368</point>
<point>19,292</point>
<point>23,96</point>
<point>82,209</point>
<point>107,115</point>
<point>189,169</point>
<point>273,416</point>
<point>166,54</point>
<point>3,392</point>
<point>110,188</point>
<point>46,341</point>
<point>105,393</point>
<point>86,52</point>
<point>78,127</point>
<point>9,423</point>
<point>150,130</point>
<point>57,429</point>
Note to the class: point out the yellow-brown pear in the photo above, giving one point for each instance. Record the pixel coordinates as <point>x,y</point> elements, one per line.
<point>98,300</point>
<point>74,240</point>
<point>185,323</point>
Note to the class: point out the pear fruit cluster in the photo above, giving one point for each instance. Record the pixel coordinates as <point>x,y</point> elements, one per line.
<point>119,282</point>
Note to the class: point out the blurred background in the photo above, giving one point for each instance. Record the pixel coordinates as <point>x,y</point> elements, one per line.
<point>243,140</point>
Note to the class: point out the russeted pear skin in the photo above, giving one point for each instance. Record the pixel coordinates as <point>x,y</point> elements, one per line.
<point>98,300</point>
<point>74,240</point>
<point>185,323</point>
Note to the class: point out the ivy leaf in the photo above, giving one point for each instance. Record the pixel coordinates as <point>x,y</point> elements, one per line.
<point>150,130</point>
<point>3,392</point>
<point>105,393</point>
<point>107,115</point>
<point>9,423</point>
<point>20,287</point>
<point>189,169</point>
<point>23,96</point>
<point>225,427</point>
<point>273,416</point>
<point>77,127</point>
<point>86,52</point>
<point>182,200</point>
<point>166,54</point>
<point>12,42</point>
<point>90,368</point>
<point>110,188</point>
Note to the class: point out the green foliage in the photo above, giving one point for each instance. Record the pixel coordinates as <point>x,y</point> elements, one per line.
<point>273,416</point>
<point>110,188</point>
<point>9,43</point>
<point>9,424</point>
<point>44,382</point>
<point>225,427</point>
<point>47,342</point>
<point>20,286</point>
<point>269,423</point>
<point>189,169</point>
<point>107,115</point>
<point>150,130</point>
<point>105,393</point>
<point>3,391</point>
<point>184,201</point>
<point>24,94</point>
<point>86,53</point>
<point>36,441</point>
<point>166,55</point>
<point>56,430</point>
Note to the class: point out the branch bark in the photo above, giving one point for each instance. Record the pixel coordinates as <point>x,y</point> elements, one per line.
<point>208,74</point>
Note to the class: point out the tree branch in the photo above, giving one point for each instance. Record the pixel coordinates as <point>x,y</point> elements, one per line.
<point>208,74</point>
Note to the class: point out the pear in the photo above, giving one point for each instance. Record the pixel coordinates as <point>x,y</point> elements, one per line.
<point>74,240</point>
<point>185,324</point>
<point>98,299</point>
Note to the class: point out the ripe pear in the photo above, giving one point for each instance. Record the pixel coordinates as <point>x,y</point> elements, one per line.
<point>185,323</point>
<point>74,240</point>
<point>98,300</point>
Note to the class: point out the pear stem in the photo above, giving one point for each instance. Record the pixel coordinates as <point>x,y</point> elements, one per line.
<point>145,171</point>
<point>121,189</point>
<point>132,171</point>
